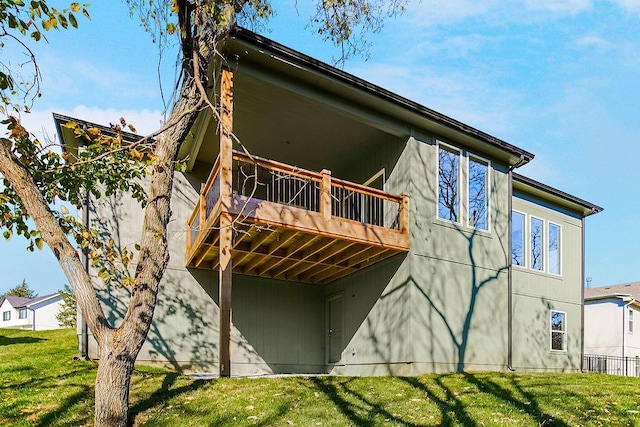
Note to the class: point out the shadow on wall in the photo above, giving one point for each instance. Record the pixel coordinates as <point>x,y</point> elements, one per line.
<point>377,315</point>
<point>461,266</point>
<point>277,326</point>
<point>535,338</point>
<point>183,332</point>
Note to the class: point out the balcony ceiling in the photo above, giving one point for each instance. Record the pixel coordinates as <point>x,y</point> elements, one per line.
<point>275,122</point>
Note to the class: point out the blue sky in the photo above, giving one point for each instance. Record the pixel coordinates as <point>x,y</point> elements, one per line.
<point>559,79</point>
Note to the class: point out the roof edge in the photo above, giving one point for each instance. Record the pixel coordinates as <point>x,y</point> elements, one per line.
<point>323,68</point>
<point>589,207</point>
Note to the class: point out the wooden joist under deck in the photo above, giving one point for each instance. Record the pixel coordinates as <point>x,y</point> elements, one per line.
<point>288,243</point>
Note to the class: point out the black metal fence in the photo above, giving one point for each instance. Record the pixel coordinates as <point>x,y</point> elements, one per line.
<point>612,365</point>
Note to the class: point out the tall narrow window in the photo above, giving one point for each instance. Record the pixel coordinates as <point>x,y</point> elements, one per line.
<point>558,331</point>
<point>630,321</point>
<point>537,232</point>
<point>478,194</point>
<point>448,184</point>
<point>22,314</point>
<point>6,316</point>
<point>554,248</point>
<point>517,239</point>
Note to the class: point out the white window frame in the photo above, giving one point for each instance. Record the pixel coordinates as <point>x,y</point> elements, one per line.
<point>463,192</point>
<point>22,310</point>
<point>478,159</point>
<point>453,150</point>
<point>563,332</point>
<point>548,247</point>
<point>630,321</point>
<point>525,238</point>
<point>542,244</point>
<point>6,316</point>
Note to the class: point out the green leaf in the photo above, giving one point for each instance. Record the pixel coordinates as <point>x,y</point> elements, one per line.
<point>72,20</point>
<point>85,12</point>
<point>7,235</point>
<point>39,242</point>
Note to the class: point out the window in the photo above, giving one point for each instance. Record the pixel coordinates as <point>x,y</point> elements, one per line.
<point>517,239</point>
<point>22,314</point>
<point>468,181</point>
<point>6,316</point>
<point>558,331</point>
<point>537,231</point>
<point>630,319</point>
<point>448,185</point>
<point>478,193</point>
<point>537,234</point>
<point>554,248</point>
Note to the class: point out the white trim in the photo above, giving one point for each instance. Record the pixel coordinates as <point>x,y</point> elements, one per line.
<point>380,173</point>
<point>451,149</point>
<point>52,296</point>
<point>560,257</point>
<point>478,159</point>
<point>525,234</point>
<point>542,244</point>
<point>565,344</point>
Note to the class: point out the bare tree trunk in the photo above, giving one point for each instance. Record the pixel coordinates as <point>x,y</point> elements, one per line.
<point>120,347</point>
<point>112,385</point>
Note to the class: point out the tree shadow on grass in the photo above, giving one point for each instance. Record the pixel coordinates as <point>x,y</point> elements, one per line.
<point>65,406</point>
<point>164,393</point>
<point>37,378</point>
<point>19,340</point>
<point>360,413</point>
<point>527,403</point>
<point>451,408</point>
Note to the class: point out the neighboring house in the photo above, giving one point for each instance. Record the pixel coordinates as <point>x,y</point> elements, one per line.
<point>36,314</point>
<point>383,237</point>
<point>610,313</point>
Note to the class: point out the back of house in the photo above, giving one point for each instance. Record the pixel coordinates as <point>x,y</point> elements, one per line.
<point>348,230</point>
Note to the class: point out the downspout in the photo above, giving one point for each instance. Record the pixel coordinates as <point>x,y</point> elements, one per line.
<point>510,367</point>
<point>582,279</point>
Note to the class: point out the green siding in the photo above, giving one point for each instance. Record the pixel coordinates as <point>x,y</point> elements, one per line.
<point>536,293</point>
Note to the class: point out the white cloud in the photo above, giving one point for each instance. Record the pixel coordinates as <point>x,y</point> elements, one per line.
<point>438,12</point>
<point>468,97</point>
<point>628,5</point>
<point>571,7</point>
<point>595,42</point>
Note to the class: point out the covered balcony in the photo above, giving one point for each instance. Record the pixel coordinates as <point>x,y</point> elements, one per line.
<point>294,224</point>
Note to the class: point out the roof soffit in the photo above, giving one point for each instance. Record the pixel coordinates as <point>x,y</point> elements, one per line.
<point>252,52</point>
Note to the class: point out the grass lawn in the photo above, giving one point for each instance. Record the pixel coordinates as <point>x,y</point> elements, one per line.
<point>41,384</point>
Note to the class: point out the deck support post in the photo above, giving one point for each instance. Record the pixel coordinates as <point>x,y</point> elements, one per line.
<point>226,223</point>
<point>325,194</point>
<point>403,214</point>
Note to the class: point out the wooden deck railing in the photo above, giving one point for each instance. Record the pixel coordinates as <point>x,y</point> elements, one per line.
<point>262,179</point>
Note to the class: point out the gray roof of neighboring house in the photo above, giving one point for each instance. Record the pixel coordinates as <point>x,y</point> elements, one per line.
<point>19,302</point>
<point>613,291</point>
<point>16,301</point>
